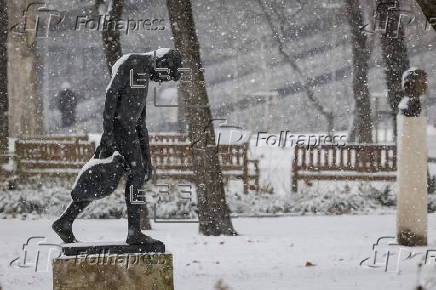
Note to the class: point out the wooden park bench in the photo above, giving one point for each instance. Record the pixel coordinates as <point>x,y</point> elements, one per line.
<point>350,162</point>
<point>52,155</point>
<point>64,156</point>
<point>60,155</point>
<point>174,161</point>
<point>169,139</point>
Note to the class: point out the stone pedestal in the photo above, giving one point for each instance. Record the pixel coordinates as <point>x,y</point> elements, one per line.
<point>412,181</point>
<point>113,270</point>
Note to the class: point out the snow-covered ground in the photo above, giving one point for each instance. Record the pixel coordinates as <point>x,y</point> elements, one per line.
<point>270,253</point>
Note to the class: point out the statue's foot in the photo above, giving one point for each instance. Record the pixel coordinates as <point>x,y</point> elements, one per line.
<point>153,245</point>
<point>64,231</point>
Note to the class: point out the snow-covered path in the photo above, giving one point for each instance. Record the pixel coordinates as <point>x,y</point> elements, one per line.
<point>270,253</point>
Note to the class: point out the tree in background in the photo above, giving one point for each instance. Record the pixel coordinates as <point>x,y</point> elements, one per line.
<point>214,214</point>
<point>429,10</point>
<point>394,51</point>
<point>4,102</point>
<point>111,37</point>
<point>361,130</point>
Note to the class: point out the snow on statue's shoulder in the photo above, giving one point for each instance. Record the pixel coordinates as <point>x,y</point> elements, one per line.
<point>116,67</point>
<point>160,52</point>
<point>119,62</point>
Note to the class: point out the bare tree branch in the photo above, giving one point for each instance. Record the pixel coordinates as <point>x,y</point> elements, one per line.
<point>111,36</point>
<point>278,36</point>
<point>362,124</point>
<point>394,51</point>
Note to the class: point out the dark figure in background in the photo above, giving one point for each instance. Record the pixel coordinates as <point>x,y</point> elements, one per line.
<point>125,131</point>
<point>67,103</point>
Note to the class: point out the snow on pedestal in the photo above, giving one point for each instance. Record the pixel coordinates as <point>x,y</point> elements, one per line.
<point>412,181</point>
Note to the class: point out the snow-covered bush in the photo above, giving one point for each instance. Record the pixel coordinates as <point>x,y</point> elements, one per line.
<point>432,185</point>
<point>39,201</point>
<point>361,199</point>
<point>384,196</point>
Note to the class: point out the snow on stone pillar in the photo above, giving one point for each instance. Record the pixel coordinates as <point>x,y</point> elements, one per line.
<point>412,163</point>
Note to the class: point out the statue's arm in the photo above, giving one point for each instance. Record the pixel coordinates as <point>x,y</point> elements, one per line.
<point>118,81</point>
<point>144,140</point>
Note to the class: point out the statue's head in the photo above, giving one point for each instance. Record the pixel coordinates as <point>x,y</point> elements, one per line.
<point>167,61</point>
<point>414,82</point>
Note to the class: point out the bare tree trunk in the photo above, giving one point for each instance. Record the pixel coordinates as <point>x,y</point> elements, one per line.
<point>429,9</point>
<point>111,36</point>
<point>362,123</point>
<point>4,102</point>
<point>394,51</point>
<point>181,120</point>
<point>279,36</point>
<point>214,215</point>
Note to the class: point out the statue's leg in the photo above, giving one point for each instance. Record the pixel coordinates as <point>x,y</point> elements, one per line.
<point>133,186</point>
<point>63,226</point>
<point>134,193</point>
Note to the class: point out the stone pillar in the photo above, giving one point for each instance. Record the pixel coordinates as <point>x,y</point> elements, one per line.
<point>412,181</point>
<point>134,271</point>
<point>24,102</point>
